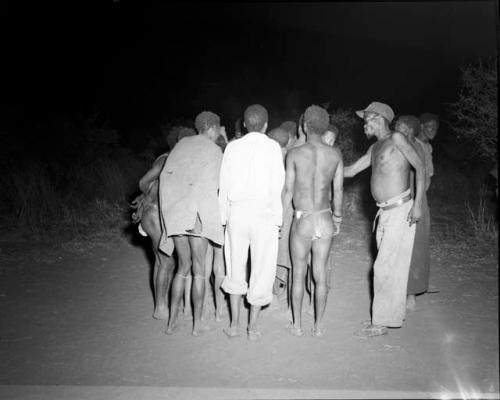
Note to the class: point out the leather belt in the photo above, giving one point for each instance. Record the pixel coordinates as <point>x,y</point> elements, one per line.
<point>398,203</point>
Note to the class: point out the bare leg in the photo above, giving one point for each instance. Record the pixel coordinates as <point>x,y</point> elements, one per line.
<point>411,302</point>
<point>178,284</point>
<point>188,284</point>
<point>299,251</point>
<point>209,260</point>
<point>198,247</point>
<point>234,326</point>
<point>164,265</point>
<point>320,249</point>
<point>163,278</point>
<point>253,330</point>
<point>219,273</point>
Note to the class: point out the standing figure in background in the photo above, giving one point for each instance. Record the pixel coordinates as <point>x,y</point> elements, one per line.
<point>281,286</point>
<point>418,278</point>
<point>429,125</point>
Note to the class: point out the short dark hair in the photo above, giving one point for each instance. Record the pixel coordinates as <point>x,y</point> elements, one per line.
<point>411,121</point>
<point>184,132</point>
<point>316,119</point>
<point>427,117</point>
<point>333,128</point>
<point>255,118</point>
<point>280,135</point>
<point>206,120</point>
<point>290,127</point>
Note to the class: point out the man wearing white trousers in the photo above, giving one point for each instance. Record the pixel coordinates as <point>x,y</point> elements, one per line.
<point>251,180</point>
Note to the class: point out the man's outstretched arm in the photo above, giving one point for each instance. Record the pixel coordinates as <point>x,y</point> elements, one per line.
<point>360,165</point>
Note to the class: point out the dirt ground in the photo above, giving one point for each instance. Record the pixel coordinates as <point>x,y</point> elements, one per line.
<point>77,323</point>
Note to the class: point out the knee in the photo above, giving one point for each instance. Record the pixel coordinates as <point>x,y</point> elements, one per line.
<point>184,267</point>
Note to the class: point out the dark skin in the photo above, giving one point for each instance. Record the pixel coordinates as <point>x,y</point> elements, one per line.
<point>150,222</point>
<point>191,252</point>
<point>391,158</point>
<point>408,132</point>
<point>311,170</point>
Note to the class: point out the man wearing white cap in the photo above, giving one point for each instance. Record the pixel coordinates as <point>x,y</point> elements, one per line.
<point>390,158</point>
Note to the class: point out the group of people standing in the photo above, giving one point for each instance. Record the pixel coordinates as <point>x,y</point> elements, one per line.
<point>273,202</point>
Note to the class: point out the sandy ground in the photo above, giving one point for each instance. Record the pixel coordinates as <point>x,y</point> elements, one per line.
<point>80,326</point>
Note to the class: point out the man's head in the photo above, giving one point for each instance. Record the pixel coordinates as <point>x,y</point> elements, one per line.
<point>256,118</point>
<point>377,117</point>
<point>208,123</point>
<point>330,135</point>
<point>316,120</point>
<point>408,125</point>
<point>280,135</point>
<point>184,132</point>
<point>429,126</point>
<point>291,128</point>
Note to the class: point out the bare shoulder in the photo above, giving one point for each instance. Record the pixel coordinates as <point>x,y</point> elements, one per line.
<point>337,151</point>
<point>399,139</point>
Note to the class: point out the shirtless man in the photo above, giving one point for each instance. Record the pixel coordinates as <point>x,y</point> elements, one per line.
<point>390,158</point>
<point>310,171</point>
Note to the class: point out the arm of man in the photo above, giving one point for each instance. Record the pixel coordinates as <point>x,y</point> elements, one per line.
<point>224,186</point>
<point>406,148</point>
<point>289,182</point>
<point>338,194</point>
<point>278,180</point>
<point>360,165</point>
<point>153,174</point>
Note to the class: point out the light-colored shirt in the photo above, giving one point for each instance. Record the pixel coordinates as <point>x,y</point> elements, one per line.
<point>252,170</point>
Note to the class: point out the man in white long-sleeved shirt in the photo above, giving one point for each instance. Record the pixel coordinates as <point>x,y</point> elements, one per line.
<point>251,180</point>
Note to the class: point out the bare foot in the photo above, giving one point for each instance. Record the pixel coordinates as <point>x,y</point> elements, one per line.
<point>198,331</point>
<point>232,332</point>
<point>295,330</point>
<point>371,331</point>
<point>254,334</point>
<point>171,329</point>
<point>411,302</point>
<point>161,313</point>
<point>220,314</point>
<point>318,331</point>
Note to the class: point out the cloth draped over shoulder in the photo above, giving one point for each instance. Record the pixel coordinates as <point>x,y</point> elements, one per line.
<point>188,188</point>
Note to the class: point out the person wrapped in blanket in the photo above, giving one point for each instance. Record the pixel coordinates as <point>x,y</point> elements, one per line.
<point>146,216</point>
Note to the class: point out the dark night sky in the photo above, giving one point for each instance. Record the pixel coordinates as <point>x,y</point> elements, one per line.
<point>140,65</point>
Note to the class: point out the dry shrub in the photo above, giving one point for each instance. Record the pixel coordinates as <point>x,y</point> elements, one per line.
<point>481,219</point>
<point>474,116</point>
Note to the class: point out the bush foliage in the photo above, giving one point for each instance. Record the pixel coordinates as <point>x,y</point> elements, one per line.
<point>474,116</point>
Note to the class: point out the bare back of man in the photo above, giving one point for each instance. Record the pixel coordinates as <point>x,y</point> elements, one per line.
<point>311,169</point>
